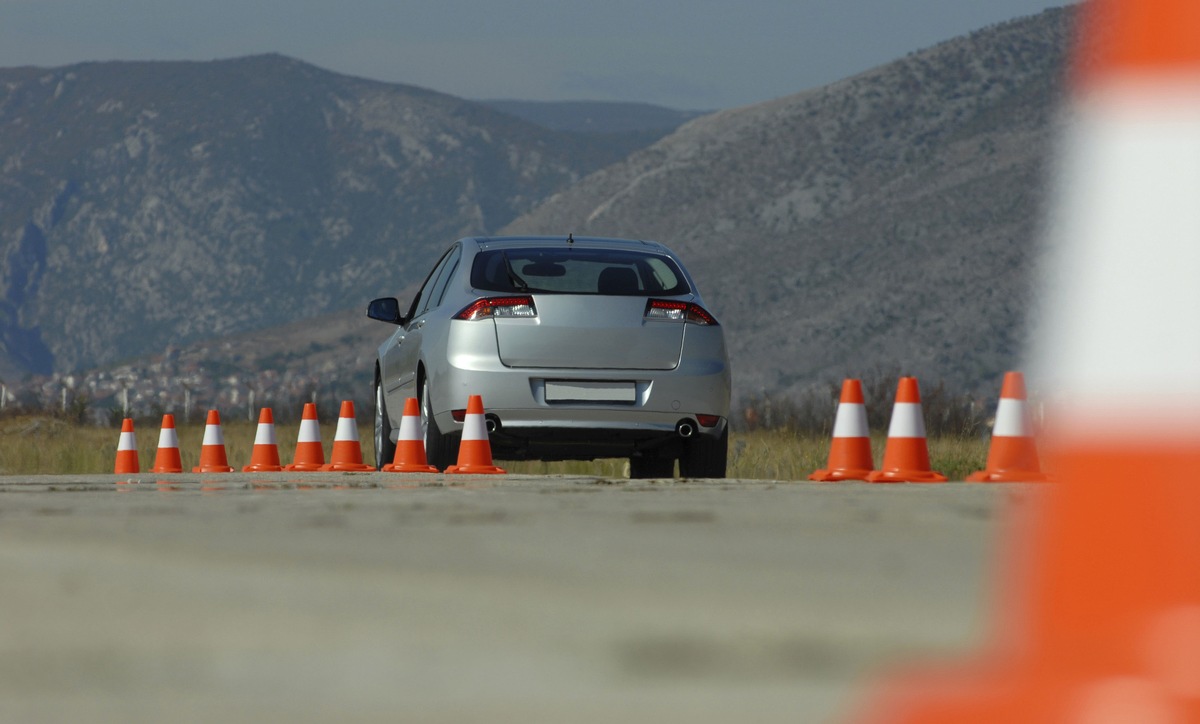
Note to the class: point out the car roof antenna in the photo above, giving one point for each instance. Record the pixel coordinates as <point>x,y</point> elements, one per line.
<point>570,238</point>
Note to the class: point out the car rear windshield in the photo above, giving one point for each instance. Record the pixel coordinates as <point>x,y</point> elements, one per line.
<point>577,271</point>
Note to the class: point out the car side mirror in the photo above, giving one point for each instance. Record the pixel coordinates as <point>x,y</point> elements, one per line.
<point>385,309</point>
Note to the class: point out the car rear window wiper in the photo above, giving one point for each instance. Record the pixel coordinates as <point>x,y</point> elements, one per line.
<point>513,277</point>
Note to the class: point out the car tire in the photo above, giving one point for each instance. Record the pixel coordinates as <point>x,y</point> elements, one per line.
<point>441,450</point>
<point>385,449</point>
<point>651,466</point>
<point>705,457</point>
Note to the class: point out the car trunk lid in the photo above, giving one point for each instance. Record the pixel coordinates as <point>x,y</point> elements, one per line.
<point>589,332</point>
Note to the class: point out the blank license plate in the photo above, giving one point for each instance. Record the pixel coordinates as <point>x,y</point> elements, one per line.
<point>589,391</point>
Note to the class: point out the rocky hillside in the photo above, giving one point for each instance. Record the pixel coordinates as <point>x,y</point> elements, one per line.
<point>887,221</point>
<point>625,126</point>
<point>599,117</point>
<point>152,204</point>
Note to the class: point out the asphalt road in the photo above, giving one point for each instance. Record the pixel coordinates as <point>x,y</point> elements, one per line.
<point>432,598</point>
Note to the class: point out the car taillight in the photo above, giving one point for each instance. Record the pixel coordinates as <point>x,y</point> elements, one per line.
<point>708,420</point>
<point>498,307</point>
<point>679,312</point>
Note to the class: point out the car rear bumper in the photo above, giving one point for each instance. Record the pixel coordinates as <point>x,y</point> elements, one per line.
<point>572,440</point>
<point>519,400</point>
<point>653,404</point>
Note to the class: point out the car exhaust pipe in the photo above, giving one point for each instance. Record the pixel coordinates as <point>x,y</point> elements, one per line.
<point>492,422</point>
<point>685,429</point>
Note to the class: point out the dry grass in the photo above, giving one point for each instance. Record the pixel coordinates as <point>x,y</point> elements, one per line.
<point>786,455</point>
<point>33,446</point>
<point>39,445</point>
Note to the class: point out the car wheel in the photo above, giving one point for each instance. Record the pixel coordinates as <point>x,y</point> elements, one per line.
<point>651,466</point>
<point>441,450</point>
<point>705,457</point>
<point>385,449</point>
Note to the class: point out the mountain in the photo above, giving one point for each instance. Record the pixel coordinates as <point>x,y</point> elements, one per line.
<point>599,117</point>
<point>159,203</point>
<point>628,126</point>
<point>886,221</point>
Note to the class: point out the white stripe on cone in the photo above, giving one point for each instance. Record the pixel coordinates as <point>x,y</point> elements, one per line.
<point>347,430</point>
<point>850,420</point>
<point>265,435</point>
<point>907,420</point>
<point>310,431</point>
<point>1131,175</point>
<point>213,435</point>
<point>474,428</point>
<point>1012,419</point>
<point>127,441</point>
<point>168,438</point>
<point>410,428</point>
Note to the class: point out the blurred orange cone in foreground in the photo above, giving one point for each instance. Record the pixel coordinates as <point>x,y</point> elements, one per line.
<point>212,450</point>
<point>347,452</point>
<point>166,458</point>
<point>127,454</point>
<point>410,448</point>
<point>475,452</point>
<point>1012,456</point>
<point>309,456</point>
<point>1098,617</point>
<point>906,457</point>
<point>264,458</point>
<point>850,452</point>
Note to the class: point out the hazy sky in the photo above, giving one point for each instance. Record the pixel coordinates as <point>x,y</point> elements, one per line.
<point>695,54</point>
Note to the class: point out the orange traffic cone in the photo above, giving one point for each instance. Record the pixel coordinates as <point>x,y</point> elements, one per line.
<point>264,458</point>
<point>1012,456</point>
<point>166,459</point>
<point>1098,617</point>
<point>475,452</point>
<point>347,453</point>
<point>850,453</point>
<point>410,448</point>
<point>212,450</point>
<point>127,454</point>
<point>310,456</point>
<point>906,457</point>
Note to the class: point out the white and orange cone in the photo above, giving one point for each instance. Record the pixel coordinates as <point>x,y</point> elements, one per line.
<point>347,451</point>
<point>1012,456</point>
<point>410,448</point>
<point>166,458</point>
<point>264,458</point>
<point>906,457</point>
<point>475,451</point>
<point>212,450</point>
<point>1098,617</point>
<point>850,452</point>
<point>127,454</point>
<point>309,455</point>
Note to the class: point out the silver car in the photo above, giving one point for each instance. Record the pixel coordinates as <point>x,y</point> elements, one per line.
<point>581,349</point>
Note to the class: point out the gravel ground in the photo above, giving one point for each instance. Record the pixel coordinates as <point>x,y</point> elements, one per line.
<point>373,597</point>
